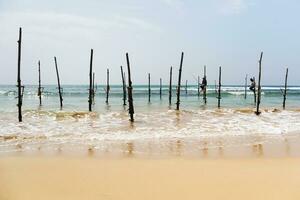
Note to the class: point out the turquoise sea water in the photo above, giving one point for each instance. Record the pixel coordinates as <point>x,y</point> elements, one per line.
<point>75,97</point>
<point>157,125</point>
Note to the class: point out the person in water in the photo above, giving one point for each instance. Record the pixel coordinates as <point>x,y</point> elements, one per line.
<point>203,84</point>
<point>253,84</point>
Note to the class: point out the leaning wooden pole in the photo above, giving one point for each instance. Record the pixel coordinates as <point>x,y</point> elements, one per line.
<point>246,84</point>
<point>93,88</point>
<point>160,88</point>
<point>259,86</point>
<point>40,87</point>
<point>149,88</point>
<point>91,82</point>
<point>20,95</point>
<point>179,83</point>
<point>58,83</point>
<point>129,88</point>
<point>205,87</point>
<point>170,88</point>
<point>219,89</point>
<point>107,86</point>
<point>285,87</point>
<point>124,86</point>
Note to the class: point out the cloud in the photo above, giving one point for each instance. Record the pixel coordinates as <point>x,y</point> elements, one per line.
<point>233,7</point>
<point>178,5</point>
<point>53,24</point>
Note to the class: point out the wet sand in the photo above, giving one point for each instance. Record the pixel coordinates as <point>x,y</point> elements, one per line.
<point>66,177</point>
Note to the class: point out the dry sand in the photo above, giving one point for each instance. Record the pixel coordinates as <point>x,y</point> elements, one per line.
<point>63,177</point>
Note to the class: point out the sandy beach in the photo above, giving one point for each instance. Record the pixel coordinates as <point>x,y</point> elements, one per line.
<point>67,177</point>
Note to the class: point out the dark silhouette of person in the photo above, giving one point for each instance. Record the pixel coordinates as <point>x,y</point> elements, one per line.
<point>252,85</point>
<point>203,84</point>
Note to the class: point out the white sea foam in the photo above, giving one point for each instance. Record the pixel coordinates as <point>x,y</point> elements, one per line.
<point>45,127</point>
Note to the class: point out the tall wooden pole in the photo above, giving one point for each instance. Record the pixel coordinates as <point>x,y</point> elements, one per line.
<point>91,82</point>
<point>40,87</point>
<point>259,86</point>
<point>205,87</point>
<point>170,87</point>
<point>58,83</point>
<point>160,88</point>
<point>186,86</point>
<point>93,88</point>
<point>129,88</point>
<point>125,93</point>
<point>149,88</point>
<point>215,86</point>
<point>198,86</point>
<point>219,89</point>
<point>179,82</point>
<point>20,95</point>
<point>107,86</point>
<point>246,84</point>
<point>285,88</point>
<point>124,86</point>
<point>254,91</point>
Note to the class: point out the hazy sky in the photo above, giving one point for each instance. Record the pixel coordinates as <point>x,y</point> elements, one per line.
<point>227,33</point>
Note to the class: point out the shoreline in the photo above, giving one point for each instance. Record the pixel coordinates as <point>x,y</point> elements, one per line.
<point>252,146</point>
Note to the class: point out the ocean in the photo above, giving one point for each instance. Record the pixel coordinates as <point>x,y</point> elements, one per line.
<point>157,128</point>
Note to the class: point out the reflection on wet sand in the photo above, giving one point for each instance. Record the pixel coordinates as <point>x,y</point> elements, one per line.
<point>131,125</point>
<point>205,149</point>
<point>258,149</point>
<point>19,147</point>
<point>91,150</point>
<point>59,149</point>
<point>178,148</point>
<point>177,118</point>
<point>129,151</point>
<point>287,146</point>
<point>220,149</point>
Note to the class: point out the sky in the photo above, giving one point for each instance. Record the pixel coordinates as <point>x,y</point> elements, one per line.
<point>227,33</point>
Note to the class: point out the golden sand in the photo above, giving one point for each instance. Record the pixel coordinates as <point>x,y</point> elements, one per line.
<point>69,178</point>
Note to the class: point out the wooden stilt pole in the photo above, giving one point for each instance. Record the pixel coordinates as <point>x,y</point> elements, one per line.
<point>285,88</point>
<point>124,86</point>
<point>107,86</point>
<point>205,87</point>
<point>259,86</point>
<point>254,91</point>
<point>186,86</point>
<point>149,88</point>
<point>198,86</point>
<point>58,83</point>
<point>246,84</point>
<point>129,88</point>
<point>170,88</point>
<point>91,82</point>
<point>40,87</point>
<point>179,83</point>
<point>219,89</point>
<point>94,91</point>
<point>216,87</point>
<point>160,88</point>
<point>20,95</point>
